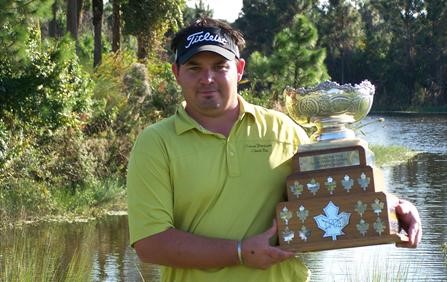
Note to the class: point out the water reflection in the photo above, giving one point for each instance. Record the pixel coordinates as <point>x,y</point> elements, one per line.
<point>103,245</point>
<point>421,180</point>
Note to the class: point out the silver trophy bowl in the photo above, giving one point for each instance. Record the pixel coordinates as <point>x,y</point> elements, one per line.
<point>330,107</point>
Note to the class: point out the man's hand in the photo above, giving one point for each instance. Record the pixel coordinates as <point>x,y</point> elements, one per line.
<point>410,222</point>
<point>257,252</point>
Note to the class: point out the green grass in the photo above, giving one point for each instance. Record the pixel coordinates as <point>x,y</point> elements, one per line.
<point>378,271</point>
<point>89,198</point>
<point>23,258</point>
<point>391,155</point>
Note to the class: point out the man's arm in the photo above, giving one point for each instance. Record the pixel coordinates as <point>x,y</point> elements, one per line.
<point>177,248</point>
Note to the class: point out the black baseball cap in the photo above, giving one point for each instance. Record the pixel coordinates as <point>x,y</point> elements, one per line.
<point>201,39</point>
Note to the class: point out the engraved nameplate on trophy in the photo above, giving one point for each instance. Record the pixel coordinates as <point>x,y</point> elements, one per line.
<point>335,195</point>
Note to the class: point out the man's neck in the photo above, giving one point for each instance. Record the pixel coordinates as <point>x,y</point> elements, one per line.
<point>219,124</point>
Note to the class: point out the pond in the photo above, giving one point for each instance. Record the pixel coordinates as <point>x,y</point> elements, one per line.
<point>422,180</point>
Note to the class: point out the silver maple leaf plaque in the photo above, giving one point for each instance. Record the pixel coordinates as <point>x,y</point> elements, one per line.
<point>332,223</point>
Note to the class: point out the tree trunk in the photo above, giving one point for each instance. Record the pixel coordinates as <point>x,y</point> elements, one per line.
<point>72,18</point>
<point>116,25</point>
<point>52,29</point>
<point>97,7</point>
<point>79,13</point>
<point>143,44</point>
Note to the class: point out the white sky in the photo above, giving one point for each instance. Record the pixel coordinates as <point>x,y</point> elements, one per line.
<point>223,9</point>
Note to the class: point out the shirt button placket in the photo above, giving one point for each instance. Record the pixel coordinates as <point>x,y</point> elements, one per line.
<point>232,160</point>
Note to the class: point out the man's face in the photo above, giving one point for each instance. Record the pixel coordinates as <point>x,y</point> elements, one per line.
<point>209,83</point>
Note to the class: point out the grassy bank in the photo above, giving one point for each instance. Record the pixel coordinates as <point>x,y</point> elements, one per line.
<point>31,202</point>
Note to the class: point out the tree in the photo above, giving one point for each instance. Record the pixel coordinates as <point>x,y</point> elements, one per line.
<point>295,60</point>
<point>55,26</point>
<point>199,10</point>
<point>116,25</point>
<point>16,18</point>
<point>260,20</point>
<point>49,91</point>
<point>431,43</point>
<point>74,11</point>
<point>295,55</point>
<point>98,8</point>
<point>401,21</point>
<point>149,20</point>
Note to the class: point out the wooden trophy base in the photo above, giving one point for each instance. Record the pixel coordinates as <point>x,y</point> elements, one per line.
<point>325,223</point>
<point>336,200</point>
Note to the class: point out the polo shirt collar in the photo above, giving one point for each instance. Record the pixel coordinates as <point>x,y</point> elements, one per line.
<point>183,122</point>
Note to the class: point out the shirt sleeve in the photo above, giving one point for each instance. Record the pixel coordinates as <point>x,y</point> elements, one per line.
<point>149,192</point>
<point>299,134</point>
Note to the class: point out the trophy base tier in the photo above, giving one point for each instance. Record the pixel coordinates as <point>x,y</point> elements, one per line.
<point>334,182</point>
<point>337,222</point>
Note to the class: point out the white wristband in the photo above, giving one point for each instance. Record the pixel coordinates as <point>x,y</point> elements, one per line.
<point>239,252</point>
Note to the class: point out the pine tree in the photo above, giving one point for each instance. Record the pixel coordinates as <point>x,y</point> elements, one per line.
<point>295,60</point>
<point>295,56</point>
<point>17,18</point>
<point>260,20</point>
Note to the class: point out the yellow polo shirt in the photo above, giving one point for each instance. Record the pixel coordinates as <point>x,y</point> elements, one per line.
<point>183,176</point>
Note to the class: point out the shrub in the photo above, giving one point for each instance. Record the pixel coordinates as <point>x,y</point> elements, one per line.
<point>47,91</point>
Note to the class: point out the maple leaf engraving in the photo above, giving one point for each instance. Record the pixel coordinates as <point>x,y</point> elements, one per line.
<point>332,223</point>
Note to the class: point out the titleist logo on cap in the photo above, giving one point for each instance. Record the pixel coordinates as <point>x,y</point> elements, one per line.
<point>202,36</point>
<point>210,39</point>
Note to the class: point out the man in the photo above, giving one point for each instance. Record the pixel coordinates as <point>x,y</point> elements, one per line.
<point>203,184</point>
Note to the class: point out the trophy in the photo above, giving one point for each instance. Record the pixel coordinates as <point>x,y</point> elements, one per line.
<point>335,195</point>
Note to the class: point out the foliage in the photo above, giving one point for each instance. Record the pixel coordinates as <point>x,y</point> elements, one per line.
<point>85,48</point>
<point>406,52</point>
<point>262,19</point>
<point>341,28</point>
<point>150,20</point>
<point>15,18</point>
<point>129,96</point>
<point>295,60</point>
<point>399,45</point>
<point>35,201</point>
<point>89,198</point>
<point>251,97</point>
<point>43,101</point>
<point>49,91</point>
<point>165,91</point>
<point>199,10</point>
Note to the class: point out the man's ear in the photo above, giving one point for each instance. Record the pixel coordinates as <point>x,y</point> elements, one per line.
<point>175,70</point>
<point>240,65</point>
